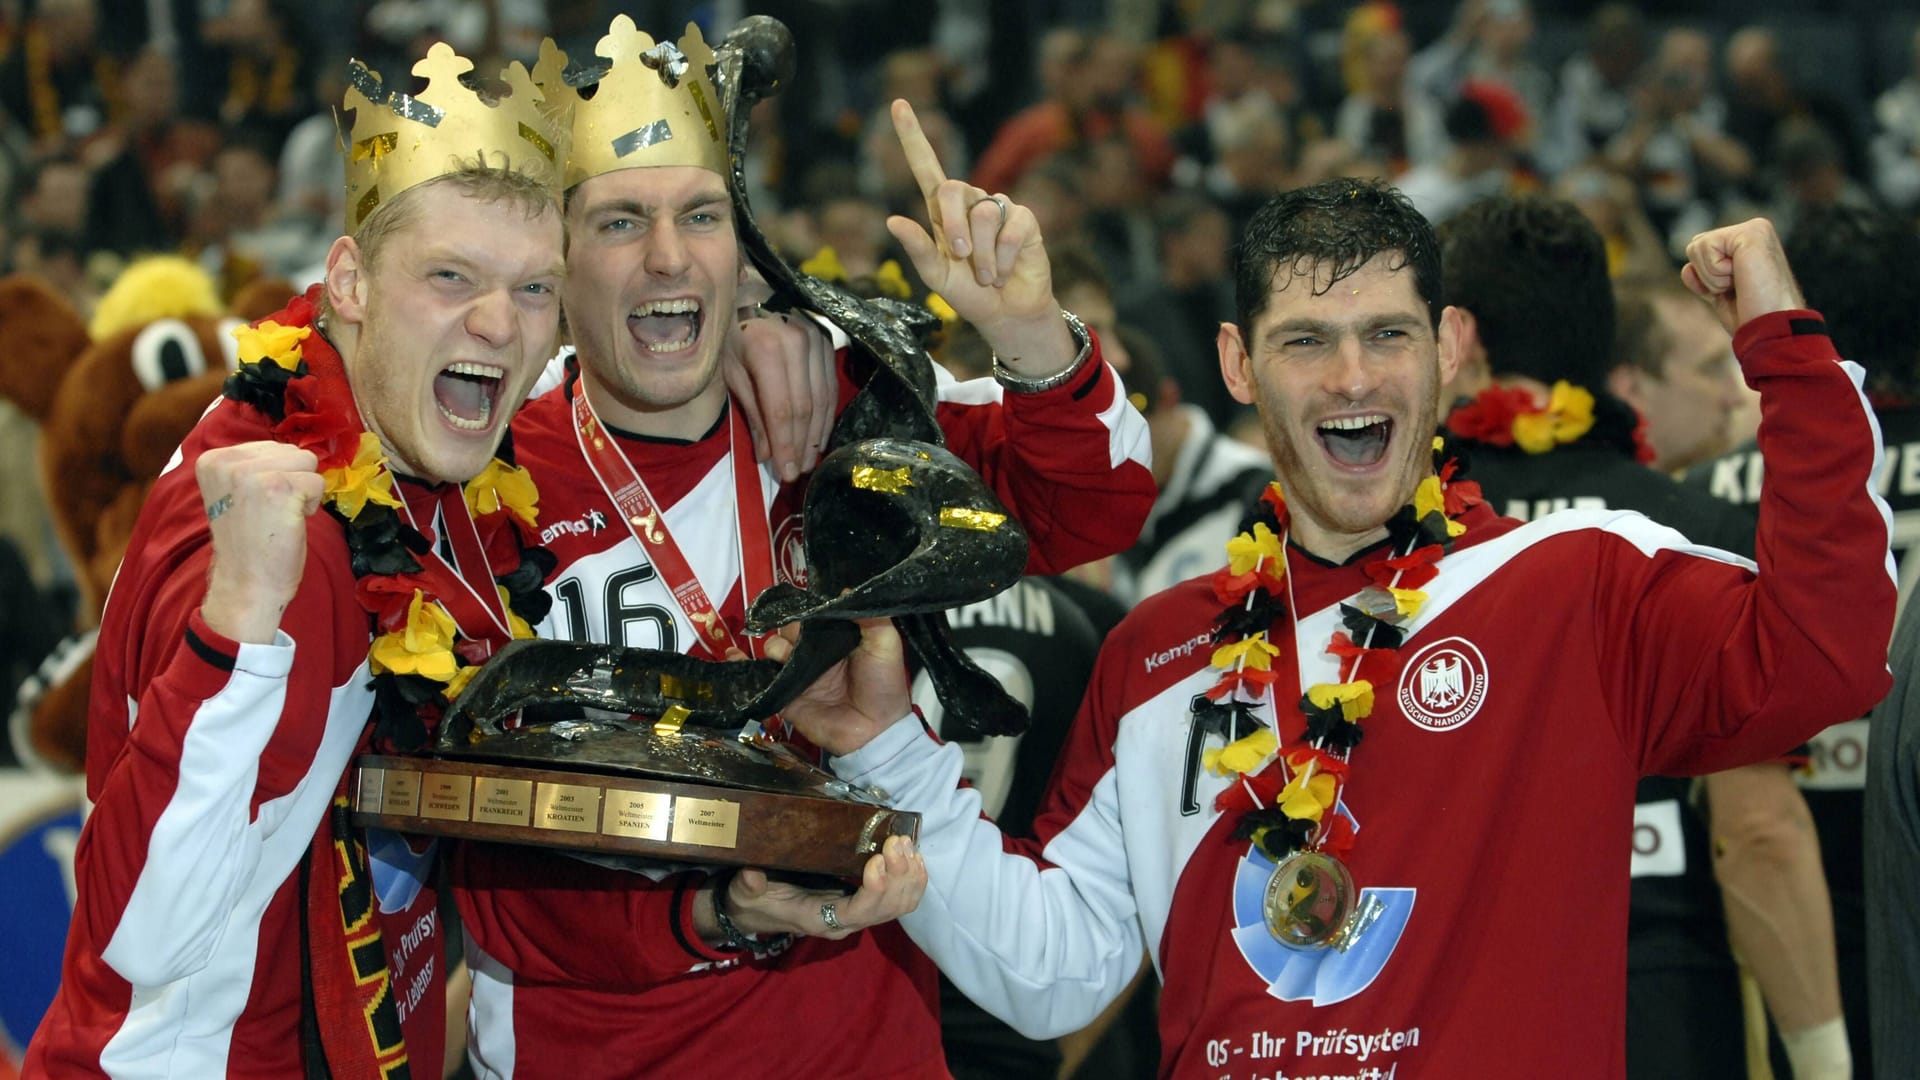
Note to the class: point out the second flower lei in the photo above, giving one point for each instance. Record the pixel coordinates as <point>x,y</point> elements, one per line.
<point>419,658</point>
<point>1509,416</point>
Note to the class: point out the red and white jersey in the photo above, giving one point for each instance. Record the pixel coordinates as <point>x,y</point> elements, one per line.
<point>1553,664</point>
<point>601,968</point>
<point>211,765</point>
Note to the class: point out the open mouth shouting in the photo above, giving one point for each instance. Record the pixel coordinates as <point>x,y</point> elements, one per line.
<point>1356,441</point>
<point>666,326</point>
<point>467,393</point>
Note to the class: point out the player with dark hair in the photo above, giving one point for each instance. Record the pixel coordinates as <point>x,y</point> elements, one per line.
<point>1424,900</point>
<point>1560,328</point>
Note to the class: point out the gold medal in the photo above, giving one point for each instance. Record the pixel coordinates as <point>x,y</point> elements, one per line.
<point>1309,899</point>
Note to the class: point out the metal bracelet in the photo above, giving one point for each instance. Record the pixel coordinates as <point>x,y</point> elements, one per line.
<point>735,940</point>
<point>1022,384</point>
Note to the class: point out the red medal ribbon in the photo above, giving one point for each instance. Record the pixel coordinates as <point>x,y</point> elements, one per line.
<point>466,589</point>
<point>645,521</point>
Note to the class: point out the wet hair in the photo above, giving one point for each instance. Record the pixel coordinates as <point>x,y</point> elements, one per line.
<point>1333,227</point>
<point>1533,271</point>
<point>1857,268</point>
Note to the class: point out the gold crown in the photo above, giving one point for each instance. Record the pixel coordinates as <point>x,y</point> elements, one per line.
<point>655,105</point>
<point>400,139</point>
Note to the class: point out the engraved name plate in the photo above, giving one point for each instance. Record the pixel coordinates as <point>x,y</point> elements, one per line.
<point>503,802</point>
<point>573,807</point>
<point>400,792</point>
<point>371,795</point>
<point>646,815</point>
<point>446,796</point>
<point>706,822</point>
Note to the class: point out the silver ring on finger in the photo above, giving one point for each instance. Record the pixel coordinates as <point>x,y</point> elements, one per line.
<point>832,918</point>
<point>999,201</point>
<point>219,506</point>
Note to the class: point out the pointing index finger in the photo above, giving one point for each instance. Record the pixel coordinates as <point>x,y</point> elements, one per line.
<point>920,156</point>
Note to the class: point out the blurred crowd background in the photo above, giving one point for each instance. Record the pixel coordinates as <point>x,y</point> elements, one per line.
<point>1140,132</point>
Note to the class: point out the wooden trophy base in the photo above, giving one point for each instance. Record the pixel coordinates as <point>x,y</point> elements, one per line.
<point>820,827</point>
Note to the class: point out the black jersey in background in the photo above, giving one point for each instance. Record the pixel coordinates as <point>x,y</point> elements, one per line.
<point>1836,776</point>
<point>1038,642</point>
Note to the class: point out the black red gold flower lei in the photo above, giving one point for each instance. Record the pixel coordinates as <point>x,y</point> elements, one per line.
<point>1289,808</point>
<point>1509,416</point>
<point>420,660</point>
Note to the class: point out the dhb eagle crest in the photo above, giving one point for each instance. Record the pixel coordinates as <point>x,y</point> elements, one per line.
<point>1444,684</point>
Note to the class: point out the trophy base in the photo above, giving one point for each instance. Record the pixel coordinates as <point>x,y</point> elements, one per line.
<point>621,813</point>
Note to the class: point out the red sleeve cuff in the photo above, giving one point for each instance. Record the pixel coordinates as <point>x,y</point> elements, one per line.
<point>1775,325</point>
<point>215,656</point>
<point>1783,343</point>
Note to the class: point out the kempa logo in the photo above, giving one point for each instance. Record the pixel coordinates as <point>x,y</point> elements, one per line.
<point>1168,656</point>
<point>1443,685</point>
<point>588,523</point>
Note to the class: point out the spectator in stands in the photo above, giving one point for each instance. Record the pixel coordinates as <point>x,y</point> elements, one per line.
<point>912,75</point>
<point>1808,166</point>
<point>261,83</point>
<point>1083,288</point>
<point>243,234</point>
<point>1896,140</point>
<point>1595,102</point>
<point>1329,158</point>
<point>1089,100</point>
<point>54,196</point>
<point>1486,125</point>
<point>1120,214</point>
<point>1183,310</point>
<point>1383,116</point>
<point>1763,98</point>
<point>856,229</point>
<point>509,27</point>
<point>155,160</point>
<point>313,177</point>
<point>1676,150</point>
<point>1252,163</point>
<point>1609,201</point>
<point>1250,91</point>
<point>1051,190</point>
<point>1488,43</point>
<point>53,81</point>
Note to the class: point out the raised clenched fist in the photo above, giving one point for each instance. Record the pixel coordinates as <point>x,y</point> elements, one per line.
<point>258,497</point>
<point>1742,271</point>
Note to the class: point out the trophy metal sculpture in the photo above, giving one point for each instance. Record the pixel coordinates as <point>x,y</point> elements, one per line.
<point>894,525</point>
